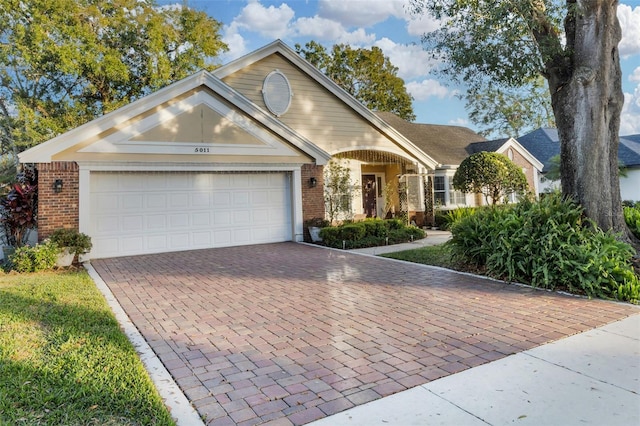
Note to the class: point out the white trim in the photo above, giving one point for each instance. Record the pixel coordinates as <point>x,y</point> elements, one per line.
<point>296,205</point>
<point>120,141</point>
<point>44,152</point>
<point>267,96</point>
<point>512,143</point>
<point>279,47</point>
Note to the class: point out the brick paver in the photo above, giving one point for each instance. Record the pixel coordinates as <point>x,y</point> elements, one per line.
<point>289,333</point>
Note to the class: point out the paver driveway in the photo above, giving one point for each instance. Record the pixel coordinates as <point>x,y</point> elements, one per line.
<point>289,333</point>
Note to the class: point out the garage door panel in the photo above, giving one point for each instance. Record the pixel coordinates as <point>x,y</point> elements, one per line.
<point>179,211</point>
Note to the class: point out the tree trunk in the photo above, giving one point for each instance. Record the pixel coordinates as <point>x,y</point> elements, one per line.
<point>587,101</point>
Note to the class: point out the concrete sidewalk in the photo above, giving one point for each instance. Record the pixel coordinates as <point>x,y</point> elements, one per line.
<point>433,238</point>
<point>589,378</point>
<point>592,378</point>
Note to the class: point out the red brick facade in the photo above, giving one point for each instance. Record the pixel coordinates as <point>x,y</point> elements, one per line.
<point>57,210</point>
<point>312,197</point>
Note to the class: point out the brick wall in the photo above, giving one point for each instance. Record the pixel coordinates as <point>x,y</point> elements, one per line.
<point>57,210</point>
<point>312,198</point>
<point>523,163</point>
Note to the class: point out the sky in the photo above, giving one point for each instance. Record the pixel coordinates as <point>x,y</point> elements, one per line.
<point>251,24</point>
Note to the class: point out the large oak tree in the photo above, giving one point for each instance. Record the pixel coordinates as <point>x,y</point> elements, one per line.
<point>574,45</point>
<point>64,62</point>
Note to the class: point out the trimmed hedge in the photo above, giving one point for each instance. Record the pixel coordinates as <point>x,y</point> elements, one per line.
<point>548,244</point>
<point>369,233</point>
<point>632,217</point>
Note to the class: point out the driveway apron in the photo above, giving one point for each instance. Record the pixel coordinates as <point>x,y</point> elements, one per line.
<point>290,333</point>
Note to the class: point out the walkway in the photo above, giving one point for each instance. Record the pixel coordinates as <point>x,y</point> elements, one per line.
<point>291,333</point>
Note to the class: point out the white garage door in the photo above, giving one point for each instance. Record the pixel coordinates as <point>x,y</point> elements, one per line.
<point>139,213</point>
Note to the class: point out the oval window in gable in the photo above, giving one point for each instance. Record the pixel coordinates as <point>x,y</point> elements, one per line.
<point>276,92</point>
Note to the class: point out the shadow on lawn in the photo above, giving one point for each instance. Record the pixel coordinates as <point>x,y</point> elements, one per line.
<point>64,363</point>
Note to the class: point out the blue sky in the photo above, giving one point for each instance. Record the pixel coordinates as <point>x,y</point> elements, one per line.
<point>248,25</point>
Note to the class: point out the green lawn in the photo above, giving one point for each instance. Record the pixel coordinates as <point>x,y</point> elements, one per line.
<point>438,255</point>
<point>64,359</point>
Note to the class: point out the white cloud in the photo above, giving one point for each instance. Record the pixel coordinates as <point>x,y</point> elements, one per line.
<point>418,25</point>
<point>630,22</point>
<point>630,116</point>
<point>411,59</point>
<point>463,122</point>
<point>319,28</point>
<point>235,42</point>
<point>360,13</point>
<point>425,89</point>
<point>271,22</point>
<point>635,76</point>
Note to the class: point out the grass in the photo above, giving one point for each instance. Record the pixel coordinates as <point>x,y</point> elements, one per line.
<point>64,359</point>
<point>438,255</point>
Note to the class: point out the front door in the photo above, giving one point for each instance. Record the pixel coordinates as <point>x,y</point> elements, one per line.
<point>369,195</point>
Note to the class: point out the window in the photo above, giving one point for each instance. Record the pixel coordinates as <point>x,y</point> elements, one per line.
<point>439,191</point>
<point>456,197</point>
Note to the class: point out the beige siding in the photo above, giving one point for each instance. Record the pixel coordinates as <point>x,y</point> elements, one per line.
<point>199,126</point>
<point>315,113</point>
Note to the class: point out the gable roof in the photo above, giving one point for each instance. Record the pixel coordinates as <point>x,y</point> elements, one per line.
<point>501,146</point>
<point>629,150</point>
<point>447,144</point>
<point>278,47</point>
<point>544,144</point>
<point>44,152</point>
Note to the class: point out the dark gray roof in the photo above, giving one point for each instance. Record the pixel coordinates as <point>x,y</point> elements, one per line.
<point>486,146</point>
<point>629,151</point>
<point>544,144</point>
<point>445,144</point>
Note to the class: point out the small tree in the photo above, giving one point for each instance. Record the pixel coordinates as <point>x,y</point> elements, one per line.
<point>490,174</point>
<point>338,189</point>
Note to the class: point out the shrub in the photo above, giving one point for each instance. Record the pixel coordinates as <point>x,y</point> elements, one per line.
<point>632,217</point>
<point>76,242</point>
<point>40,257</point>
<point>369,233</point>
<point>547,244</point>
<point>455,215</point>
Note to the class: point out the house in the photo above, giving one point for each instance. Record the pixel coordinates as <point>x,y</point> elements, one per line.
<point>544,144</point>
<point>449,146</point>
<point>230,158</point>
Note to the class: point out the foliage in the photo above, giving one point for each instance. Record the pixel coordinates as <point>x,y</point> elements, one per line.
<point>369,233</point>
<point>505,45</point>
<point>19,209</point>
<point>366,74</point>
<point>76,242</point>
<point>490,174</point>
<point>453,216</point>
<point>510,111</point>
<point>338,189</point>
<point>64,62</point>
<point>64,359</point>
<point>547,244</point>
<point>438,255</point>
<point>41,257</point>
<point>632,218</point>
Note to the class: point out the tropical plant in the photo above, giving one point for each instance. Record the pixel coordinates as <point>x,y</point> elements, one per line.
<point>19,209</point>
<point>549,244</point>
<point>632,218</point>
<point>490,174</point>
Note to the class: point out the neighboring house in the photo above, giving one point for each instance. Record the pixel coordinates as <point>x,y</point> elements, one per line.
<point>544,144</point>
<point>449,146</point>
